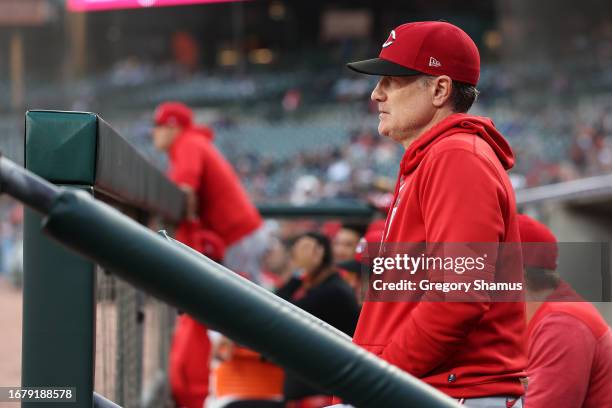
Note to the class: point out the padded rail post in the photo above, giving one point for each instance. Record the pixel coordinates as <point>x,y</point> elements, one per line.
<point>58,293</point>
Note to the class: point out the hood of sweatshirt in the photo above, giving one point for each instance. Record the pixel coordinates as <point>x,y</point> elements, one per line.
<point>204,131</point>
<point>453,124</point>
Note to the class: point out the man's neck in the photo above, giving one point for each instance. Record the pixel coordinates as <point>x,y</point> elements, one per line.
<point>534,300</point>
<point>438,117</point>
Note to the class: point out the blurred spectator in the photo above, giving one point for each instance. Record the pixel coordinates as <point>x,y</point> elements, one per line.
<point>186,50</point>
<point>357,270</point>
<point>339,170</point>
<point>345,242</point>
<point>320,291</point>
<point>563,370</point>
<point>306,191</point>
<point>292,100</point>
<point>277,265</point>
<point>353,88</point>
<point>130,72</point>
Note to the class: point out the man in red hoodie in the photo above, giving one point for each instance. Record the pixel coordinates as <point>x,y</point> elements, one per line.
<point>569,343</point>
<point>216,200</point>
<point>452,188</point>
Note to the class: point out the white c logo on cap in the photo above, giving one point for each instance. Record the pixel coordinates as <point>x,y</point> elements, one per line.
<point>390,39</point>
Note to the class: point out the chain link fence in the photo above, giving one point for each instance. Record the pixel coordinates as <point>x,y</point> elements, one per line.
<point>133,334</point>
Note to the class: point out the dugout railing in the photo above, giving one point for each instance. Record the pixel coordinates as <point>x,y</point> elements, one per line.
<point>59,331</point>
<point>78,318</point>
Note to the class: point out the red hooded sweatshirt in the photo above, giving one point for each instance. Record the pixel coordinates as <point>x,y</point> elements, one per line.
<point>570,354</point>
<point>225,207</point>
<point>453,188</point>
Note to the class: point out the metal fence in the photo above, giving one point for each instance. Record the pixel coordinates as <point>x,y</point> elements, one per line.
<point>133,334</point>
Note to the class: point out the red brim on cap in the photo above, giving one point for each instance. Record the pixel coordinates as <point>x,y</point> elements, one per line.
<point>379,66</point>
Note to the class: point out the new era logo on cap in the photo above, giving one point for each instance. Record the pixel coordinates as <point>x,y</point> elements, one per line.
<point>420,47</point>
<point>434,62</point>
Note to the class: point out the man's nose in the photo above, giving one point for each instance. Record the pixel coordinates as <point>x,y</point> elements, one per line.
<point>377,95</point>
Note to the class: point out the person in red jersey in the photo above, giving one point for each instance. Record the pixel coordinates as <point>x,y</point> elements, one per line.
<point>452,187</point>
<point>216,200</point>
<point>569,343</point>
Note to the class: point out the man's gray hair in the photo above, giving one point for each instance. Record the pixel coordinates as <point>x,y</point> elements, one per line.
<point>462,95</point>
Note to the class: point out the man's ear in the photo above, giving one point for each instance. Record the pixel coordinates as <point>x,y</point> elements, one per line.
<point>443,87</point>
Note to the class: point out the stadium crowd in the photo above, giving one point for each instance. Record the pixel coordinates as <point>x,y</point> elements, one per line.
<point>553,145</point>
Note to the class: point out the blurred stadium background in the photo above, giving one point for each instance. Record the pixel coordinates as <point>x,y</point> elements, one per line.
<point>269,77</point>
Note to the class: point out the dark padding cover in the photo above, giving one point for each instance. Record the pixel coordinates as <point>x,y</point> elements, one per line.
<point>124,174</point>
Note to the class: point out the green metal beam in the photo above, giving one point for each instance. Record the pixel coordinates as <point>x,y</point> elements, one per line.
<point>59,286</point>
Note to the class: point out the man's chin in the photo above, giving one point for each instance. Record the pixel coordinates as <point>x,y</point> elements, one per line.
<point>382,131</point>
<point>386,133</point>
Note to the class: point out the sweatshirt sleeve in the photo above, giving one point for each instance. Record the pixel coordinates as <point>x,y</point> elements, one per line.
<point>188,165</point>
<point>559,365</point>
<point>462,201</point>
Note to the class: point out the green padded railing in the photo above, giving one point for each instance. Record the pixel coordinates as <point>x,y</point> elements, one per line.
<point>78,150</point>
